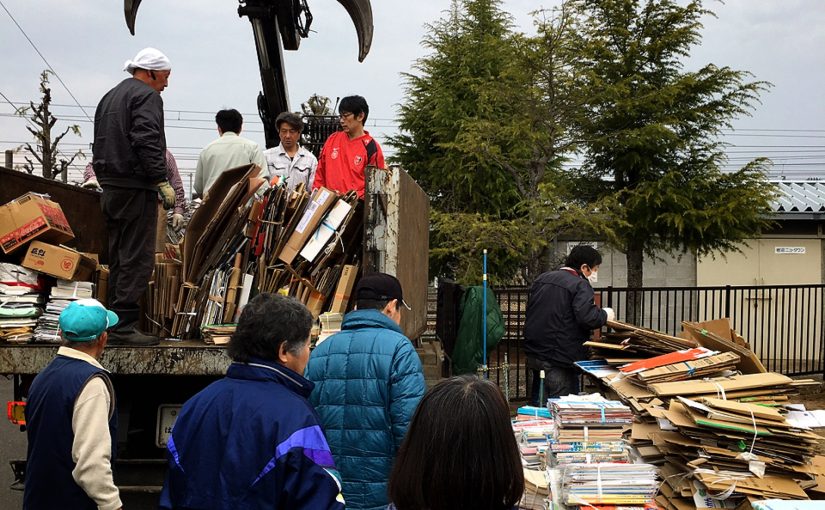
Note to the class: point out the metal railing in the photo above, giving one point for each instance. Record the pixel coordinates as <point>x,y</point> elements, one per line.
<point>782,323</point>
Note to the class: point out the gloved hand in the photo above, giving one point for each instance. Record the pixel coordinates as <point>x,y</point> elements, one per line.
<point>611,315</point>
<point>177,221</point>
<point>91,183</point>
<point>167,195</point>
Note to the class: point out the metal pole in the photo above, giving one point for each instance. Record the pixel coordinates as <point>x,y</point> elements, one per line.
<point>9,159</point>
<point>484,318</point>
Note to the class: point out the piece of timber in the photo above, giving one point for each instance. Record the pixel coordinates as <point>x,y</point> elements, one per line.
<point>168,358</point>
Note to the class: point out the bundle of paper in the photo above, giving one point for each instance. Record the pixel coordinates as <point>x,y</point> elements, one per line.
<point>732,387</point>
<point>607,413</point>
<point>536,490</point>
<point>21,303</point>
<point>530,456</point>
<point>609,483</point>
<point>72,290</point>
<point>699,368</point>
<point>218,334</point>
<point>744,442</point>
<point>162,294</point>
<point>532,413</point>
<point>48,329</point>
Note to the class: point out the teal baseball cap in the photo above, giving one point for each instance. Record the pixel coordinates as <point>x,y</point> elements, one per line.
<point>85,319</point>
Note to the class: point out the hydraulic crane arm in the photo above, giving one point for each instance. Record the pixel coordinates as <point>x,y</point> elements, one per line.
<point>279,24</point>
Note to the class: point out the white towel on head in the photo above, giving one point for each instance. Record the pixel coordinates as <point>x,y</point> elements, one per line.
<point>149,59</point>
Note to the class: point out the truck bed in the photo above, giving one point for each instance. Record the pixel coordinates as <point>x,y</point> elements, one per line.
<point>180,358</point>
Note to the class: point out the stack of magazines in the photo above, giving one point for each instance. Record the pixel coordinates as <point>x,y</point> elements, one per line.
<point>61,295</point>
<point>589,429</point>
<point>594,485</point>
<point>21,303</point>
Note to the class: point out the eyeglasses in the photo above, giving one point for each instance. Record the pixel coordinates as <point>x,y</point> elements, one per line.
<point>345,115</point>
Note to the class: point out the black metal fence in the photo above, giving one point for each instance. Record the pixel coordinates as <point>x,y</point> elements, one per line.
<point>782,323</point>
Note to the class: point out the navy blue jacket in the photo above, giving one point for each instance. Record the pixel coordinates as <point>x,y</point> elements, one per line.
<point>368,382</point>
<point>49,410</point>
<point>130,142</point>
<point>561,316</point>
<point>251,441</point>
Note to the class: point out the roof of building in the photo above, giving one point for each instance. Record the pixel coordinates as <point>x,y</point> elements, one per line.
<point>799,196</point>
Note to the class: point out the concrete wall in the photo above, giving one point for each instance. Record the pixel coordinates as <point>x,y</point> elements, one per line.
<point>669,272</point>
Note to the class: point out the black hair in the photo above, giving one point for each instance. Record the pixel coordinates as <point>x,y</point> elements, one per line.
<point>459,451</point>
<point>290,118</point>
<point>583,254</point>
<point>229,120</point>
<point>266,322</point>
<point>354,105</point>
<point>371,304</point>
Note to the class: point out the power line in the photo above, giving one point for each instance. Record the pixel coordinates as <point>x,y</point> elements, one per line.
<point>44,60</point>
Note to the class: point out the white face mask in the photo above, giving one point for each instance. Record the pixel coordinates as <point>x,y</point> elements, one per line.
<point>594,277</point>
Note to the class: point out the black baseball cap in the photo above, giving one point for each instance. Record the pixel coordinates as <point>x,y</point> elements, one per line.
<point>380,287</point>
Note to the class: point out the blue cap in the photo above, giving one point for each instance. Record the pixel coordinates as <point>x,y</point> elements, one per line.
<point>85,319</point>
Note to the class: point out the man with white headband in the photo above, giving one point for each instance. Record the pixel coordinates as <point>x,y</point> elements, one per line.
<point>129,161</point>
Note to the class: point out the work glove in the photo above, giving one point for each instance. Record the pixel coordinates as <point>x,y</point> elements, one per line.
<point>91,183</point>
<point>167,195</point>
<point>177,221</point>
<point>611,315</point>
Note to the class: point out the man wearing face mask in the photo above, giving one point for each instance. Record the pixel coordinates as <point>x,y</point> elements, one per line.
<point>561,315</point>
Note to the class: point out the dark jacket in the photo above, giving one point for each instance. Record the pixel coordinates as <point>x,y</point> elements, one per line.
<point>561,315</point>
<point>251,441</point>
<point>130,143</point>
<point>49,412</point>
<point>368,382</point>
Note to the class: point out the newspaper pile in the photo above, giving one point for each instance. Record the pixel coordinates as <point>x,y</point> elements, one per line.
<point>21,303</point>
<point>63,293</point>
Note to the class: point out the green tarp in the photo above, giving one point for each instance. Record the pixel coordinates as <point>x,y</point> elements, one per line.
<point>467,355</point>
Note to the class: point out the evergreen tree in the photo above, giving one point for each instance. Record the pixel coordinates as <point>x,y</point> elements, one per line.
<point>483,129</point>
<point>651,130</point>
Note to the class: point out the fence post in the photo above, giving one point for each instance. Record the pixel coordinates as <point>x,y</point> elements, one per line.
<point>9,159</point>
<point>609,296</point>
<point>727,301</point>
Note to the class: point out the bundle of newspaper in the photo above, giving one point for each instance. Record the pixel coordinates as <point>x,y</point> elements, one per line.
<point>21,303</point>
<point>48,330</point>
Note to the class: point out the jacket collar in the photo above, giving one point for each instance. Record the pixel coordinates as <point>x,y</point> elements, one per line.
<point>369,319</point>
<point>261,370</point>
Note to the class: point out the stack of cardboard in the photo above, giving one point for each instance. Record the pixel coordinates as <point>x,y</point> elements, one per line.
<point>627,343</point>
<point>218,334</point>
<point>21,303</point>
<point>282,241</point>
<point>712,418</point>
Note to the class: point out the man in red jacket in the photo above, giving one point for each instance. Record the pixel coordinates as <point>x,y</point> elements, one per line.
<point>348,152</point>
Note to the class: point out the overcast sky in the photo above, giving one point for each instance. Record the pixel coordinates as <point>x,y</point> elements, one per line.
<point>215,65</point>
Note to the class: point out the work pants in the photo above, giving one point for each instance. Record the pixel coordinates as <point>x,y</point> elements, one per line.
<point>558,382</point>
<point>131,221</point>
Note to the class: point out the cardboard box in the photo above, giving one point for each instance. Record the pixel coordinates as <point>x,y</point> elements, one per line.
<point>321,201</point>
<point>343,291</point>
<point>59,261</point>
<point>32,216</point>
<point>102,286</point>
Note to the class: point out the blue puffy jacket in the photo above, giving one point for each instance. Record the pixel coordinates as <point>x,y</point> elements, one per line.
<point>251,441</point>
<point>368,382</point>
